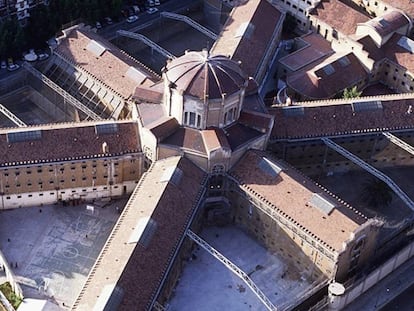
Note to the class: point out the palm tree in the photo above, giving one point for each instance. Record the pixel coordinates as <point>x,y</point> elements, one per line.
<point>376,193</point>
<point>351,93</point>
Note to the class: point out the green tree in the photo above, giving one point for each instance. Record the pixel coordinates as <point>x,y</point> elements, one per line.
<point>351,93</point>
<point>376,193</point>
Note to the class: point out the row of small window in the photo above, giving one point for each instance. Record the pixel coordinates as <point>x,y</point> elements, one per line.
<point>40,183</point>
<point>62,192</point>
<point>52,169</point>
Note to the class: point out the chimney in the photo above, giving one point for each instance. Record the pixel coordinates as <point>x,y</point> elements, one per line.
<point>105,148</point>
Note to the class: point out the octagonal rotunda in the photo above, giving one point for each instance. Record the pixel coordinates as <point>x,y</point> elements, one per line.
<point>202,90</point>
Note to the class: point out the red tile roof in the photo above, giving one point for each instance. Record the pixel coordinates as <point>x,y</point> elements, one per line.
<point>110,68</point>
<point>248,47</point>
<point>67,141</point>
<point>138,270</point>
<point>205,76</point>
<point>186,138</point>
<point>258,121</point>
<point>404,5</point>
<point>163,127</point>
<point>390,50</point>
<point>315,49</point>
<point>328,78</point>
<point>289,194</point>
<point>338,118</point>
<point>338,15</point>
<point>214,139</point>
<point>388,23</point>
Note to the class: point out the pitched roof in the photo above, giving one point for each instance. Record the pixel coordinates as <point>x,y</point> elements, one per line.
<point>329,77</point>
<point>48,143</point>
<point>214,139</point>
<point>163,127</point>
<point>239,135</point>
<point>388,23</point>
<point>338,15</point>
<point>247,33</point>
<point>404,5</point>
<point>326,118</point>
<point>186,138</point>
<point>202,75</point>
<point>290,194</point>
<point>166,199</point>
<point>106,62</point>
<point>315,48</point>
<point>390,50</point>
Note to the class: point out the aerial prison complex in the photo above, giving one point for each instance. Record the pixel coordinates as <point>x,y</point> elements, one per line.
<point>199,145</point>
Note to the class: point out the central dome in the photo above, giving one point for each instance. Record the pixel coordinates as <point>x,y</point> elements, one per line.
<point>204,76</point>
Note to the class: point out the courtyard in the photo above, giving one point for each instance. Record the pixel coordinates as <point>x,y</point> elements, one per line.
<point>207,284</point>
<point>51,249</point>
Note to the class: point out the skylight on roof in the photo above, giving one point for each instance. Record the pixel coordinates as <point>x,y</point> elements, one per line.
<point>108,128</point>
<point>96,48</point>
<point>110,298</point>
<point>268,167</point>
<point>406,43</point>
<point>244,30</point>
<point>328,69</point>
<point>16,137</point>
<point>135,75</point>
<point>323,204</point>
<point>143,232</point>
<point>367,106</point>
<point>383,22</point>
<point>293,111</point>
<point>173,174</point>
<point>344,61</point>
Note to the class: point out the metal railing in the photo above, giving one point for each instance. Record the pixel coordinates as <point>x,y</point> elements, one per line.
<point>400,143</point>
<point>233,268</point>
<point>66,96</point>
<point>145,40</point>
<point>191,23</point>
<point>401,194</point>
<point>12,117</point>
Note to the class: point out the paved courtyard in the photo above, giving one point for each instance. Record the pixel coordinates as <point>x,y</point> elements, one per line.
<point>206,284</point>
<point>52,249</point>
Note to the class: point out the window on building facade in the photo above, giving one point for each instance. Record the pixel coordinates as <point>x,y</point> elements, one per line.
<point>192,119</point>
<point>230,115</point>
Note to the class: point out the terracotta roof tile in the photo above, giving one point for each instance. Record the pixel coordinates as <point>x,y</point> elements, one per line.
<point>315,49</point>
<point>187,138</point>
<point>344,22</point>
<point>329,77</point>
<point>110,67</point>
<point>290,192</point>
<point>214,139</point>
<point>149,113</point>
<point>258,121</point>
<point>404,5</point>
<point>61,141</point>
<point>163,127</point>
<point>136,269</point>
<point>239,134</point>
<point>339,119</point>
<point>388,22</point>
<point>390,50</point>
<point>250,47</point>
